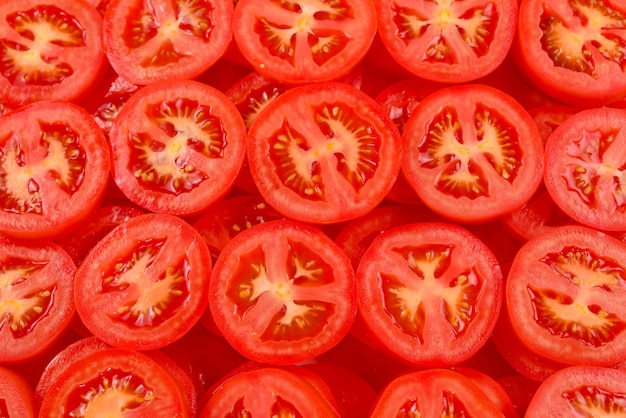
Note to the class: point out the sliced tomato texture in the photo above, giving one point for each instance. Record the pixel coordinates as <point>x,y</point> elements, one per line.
<point>54,166</point>
<point>118,382</point>
<point>564,293</point>
<point>585,161</point>
<point>36,298</point>
<point>574,50</point>
<point>580,391</point>
<point>445,40</point>
<point>284,292</point>
<point>429,292</point>
<point>48,51</point>
<point>323,153</point>
<point>17,399</point>
<point>304,41</point>
<point>158,40</point>
<point>177,147</point>
<point>472,153</point>
<point>433,393</point>
<point>145,283</point>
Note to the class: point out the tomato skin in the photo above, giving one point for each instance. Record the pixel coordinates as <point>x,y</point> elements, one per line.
<point>117,373</point>
<point>54,169</point>
<point>65,70</point>
<point>282,292</point>
<point>325,40</point>
<point>323,153</point>
<point>447,42</point>
<point>177,146</point>
<point>586,73</point>
<point>472,153</point>
<point>583,165</point>
<point>429,293</point>
<point>579,391</point>
<point>564,291</point>
<point>190,37</point>
<point>145,284</point>
<point>37,297</point>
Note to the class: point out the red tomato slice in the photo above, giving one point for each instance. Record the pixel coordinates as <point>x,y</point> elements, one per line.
<point>584,167</point>
<point>268,391</point>
<point>433,393</point>
<point>323,153</point>
<point>177,146</point>
<point>573,50</point>
<point>145,284</point>
<point>36,298</point>
<point>163,40</point>
<point>447,41</point>
<point>304,41</point>
<point>580,391</point>
<point>282,292</point>
<point>115,382</point>
<point>565,293</point>
<point>49,50</point>
<point>54,167</point>
<point>472,153</point>
<point>17,398</point>
<point>429,293</point>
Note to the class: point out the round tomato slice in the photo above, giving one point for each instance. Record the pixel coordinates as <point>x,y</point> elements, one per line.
<point>580,391</point>
<point>115,382</point>
<point>584,167</point>
<point>429,293</point>
<point>472,153</point>
<point>177,146</point>
<point>304,41</point>
<point>565,293</point>
<point>36,298</point>
<point>575,51</point>
<point>433,393</point>
<point>145,284</point>
<point>268,391</point>
<point>323,153</point>
<point>163,39</point>
<point>446,40</point>
<point>17,398</point>
<point>49,50</point>
<point>282,292</point>
<point>54,168</point>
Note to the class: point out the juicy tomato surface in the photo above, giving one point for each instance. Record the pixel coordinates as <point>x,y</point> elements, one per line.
<point>161,40</point>
<point>447,41</point>
<point>145,284</point>
<point>49,50</point>
<point>304,41</point>
<point>301,208</point>
<point>323,153</point>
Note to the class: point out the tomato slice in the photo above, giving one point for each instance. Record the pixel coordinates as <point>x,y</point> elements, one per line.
<point>145,284</point>
<point>177,147</point>
<point>268,391</point>
<point>472,153</point>
<point>54,166</point>
<point>565,292</point>
<point>304,41</point>
<point>429,293</point>
<point>580,391</point>
<point>433,393</point>
<point>446,40</point>
<point>17,398</point>
<point>282,292</point>
<point>573,50</point>
<point>36,298</point>
<point>148,41</point>
<point>115,382</point>
<point>49,50</point>
<point>323,153</point>
<point>584,166</point>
